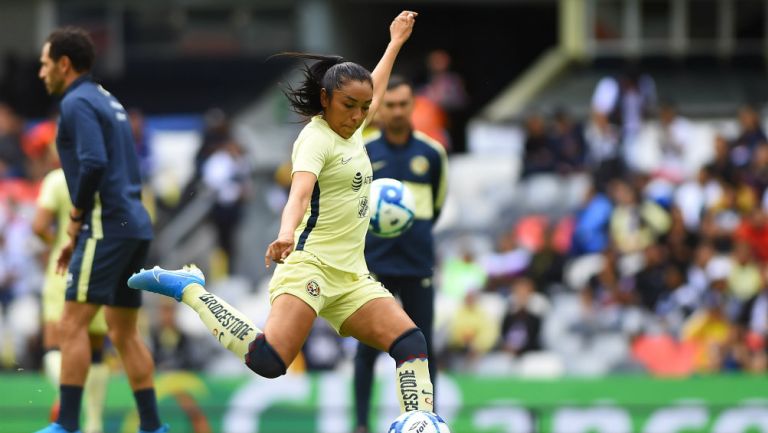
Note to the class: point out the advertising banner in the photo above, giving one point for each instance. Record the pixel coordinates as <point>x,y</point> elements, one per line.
<point>323,403</point>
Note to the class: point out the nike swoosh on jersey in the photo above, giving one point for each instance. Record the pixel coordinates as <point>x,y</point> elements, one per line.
<point>343,161</point>
<point>378,165</point>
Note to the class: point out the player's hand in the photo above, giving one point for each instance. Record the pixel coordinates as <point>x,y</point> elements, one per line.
<point>73,229</point>
<point>62,263</point>
<point>278,250</point>
<point>402,26</point>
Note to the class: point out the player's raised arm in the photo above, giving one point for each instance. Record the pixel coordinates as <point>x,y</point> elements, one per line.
<point>399,32</point>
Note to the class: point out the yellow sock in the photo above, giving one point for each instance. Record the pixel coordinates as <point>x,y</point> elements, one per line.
<point>414,388</point>
<point>230,327</point>
<point>52,367</point>
<point>94,394</point>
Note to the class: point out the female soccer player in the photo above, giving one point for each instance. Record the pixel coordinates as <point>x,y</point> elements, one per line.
<point>322,269</point>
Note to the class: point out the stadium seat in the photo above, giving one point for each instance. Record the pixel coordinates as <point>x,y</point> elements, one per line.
<point>541,365</point>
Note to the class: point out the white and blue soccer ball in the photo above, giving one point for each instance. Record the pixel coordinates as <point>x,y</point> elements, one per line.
<point>418,421</point>
<point>392,208</point>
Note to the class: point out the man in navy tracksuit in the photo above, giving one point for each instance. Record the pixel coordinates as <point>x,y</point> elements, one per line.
<point>403,264</point>
<point>109,228</point>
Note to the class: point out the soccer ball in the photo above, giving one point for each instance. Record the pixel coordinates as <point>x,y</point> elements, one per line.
<point>392,207</point>
<point>418,421</point>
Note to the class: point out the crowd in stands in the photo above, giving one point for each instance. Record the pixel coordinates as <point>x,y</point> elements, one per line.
<point>661,268</point>
<point>27,154</point>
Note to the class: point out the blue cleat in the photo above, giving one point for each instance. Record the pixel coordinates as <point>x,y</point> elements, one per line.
<point>56,428</point>
<point>164,282</point>
<point>164,428</point>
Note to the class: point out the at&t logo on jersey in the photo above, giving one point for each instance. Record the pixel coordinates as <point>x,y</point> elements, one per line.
<point>358,181</point>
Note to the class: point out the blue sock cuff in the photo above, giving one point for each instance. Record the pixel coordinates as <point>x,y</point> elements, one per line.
<point>408,347</point>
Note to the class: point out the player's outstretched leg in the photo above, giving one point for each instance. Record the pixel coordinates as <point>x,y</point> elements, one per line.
<point>414,389</point>
<point>231,328</point>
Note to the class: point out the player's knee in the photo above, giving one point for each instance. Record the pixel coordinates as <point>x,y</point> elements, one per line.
<point>263,360</point>
<point>410,345</point>
<point>120,336</point>
<point>70,327</point>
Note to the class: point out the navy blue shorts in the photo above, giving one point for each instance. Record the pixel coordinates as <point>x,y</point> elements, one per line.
<point>100,268</point>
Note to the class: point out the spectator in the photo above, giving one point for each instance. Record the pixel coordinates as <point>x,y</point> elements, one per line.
<point>540,156</point>
<point>757,173</point>
<point>650,284</point>
<point>461,274</point>
<point>676,301</point>
<point>590,233</point>
<point>37,144</point>
<point>675,144</point>
<point>722,220</point>
<point>753,230</point>
<point>172,349</point>
<point>431,119</point>
<point>568,143</point>
<point>12,159</point>
<point>546,266</point>
<point>216,131</point>
<point>603,150</point>
<point>136,117</point>
<point>227,172</point>
<point>508,262</point>
<point>750,136</point>
<point>744,280</point>
<point>696,274</point>
<point>521,327</point>
<point>623,102</point>
<point>753,326</point>
<point>679,240</point>
<point>605,298</point>
<point>472,332</point>
<point>722,167</point>
<point>446,88</point>
<point>694,197</point>
<point>635,224</point>
<point>709,330</point>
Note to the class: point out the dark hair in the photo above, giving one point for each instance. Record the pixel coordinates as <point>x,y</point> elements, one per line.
<point>397,81</point>
<point>329,73</point>
<point>75,43</point>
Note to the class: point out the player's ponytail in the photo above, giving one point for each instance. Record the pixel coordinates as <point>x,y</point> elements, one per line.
<point>329,73</point>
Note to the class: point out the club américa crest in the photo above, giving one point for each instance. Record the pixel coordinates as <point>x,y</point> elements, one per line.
<point>313,288</point>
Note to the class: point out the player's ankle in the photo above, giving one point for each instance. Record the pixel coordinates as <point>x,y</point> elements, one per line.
<point>191,291</point>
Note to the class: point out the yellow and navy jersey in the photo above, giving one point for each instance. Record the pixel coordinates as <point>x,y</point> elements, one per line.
<point>98,156</point>
<point>421,164</point>
<point>54,197</point>
<point>335,223</point>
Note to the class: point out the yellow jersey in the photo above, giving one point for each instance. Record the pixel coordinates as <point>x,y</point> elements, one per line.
<point>54,197</point>
<point>336,220</point>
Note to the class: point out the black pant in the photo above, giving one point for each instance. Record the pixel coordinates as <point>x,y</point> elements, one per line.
<point>226,217</point>
<point>418,297</point>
